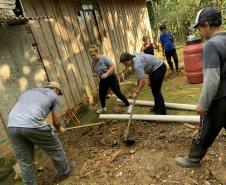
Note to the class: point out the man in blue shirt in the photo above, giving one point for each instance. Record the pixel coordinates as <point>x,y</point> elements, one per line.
<point>27,128</point>
<point>168,48</point>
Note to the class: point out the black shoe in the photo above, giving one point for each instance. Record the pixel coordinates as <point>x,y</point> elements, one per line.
<point>152,109</point>
<point>158,113</point>
<point>72,169</point>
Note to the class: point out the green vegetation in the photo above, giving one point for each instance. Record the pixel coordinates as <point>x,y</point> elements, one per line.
<point>178,15</point>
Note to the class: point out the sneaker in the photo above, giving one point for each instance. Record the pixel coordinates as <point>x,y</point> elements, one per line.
<point>129,110</point>
<point>171,72</point>
<point>186,162</point>
<point>178,70</point>
<point>101,110</point>
<point>72,167</point>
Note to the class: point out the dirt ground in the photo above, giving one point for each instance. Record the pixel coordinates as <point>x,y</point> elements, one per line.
<point>102,158</point>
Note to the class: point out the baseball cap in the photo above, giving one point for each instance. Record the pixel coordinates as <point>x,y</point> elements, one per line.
<point>208,14</point>
<point>53,84</point>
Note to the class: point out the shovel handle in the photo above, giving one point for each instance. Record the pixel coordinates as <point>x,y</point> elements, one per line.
<point>83,126</point>
<point>130,119</point>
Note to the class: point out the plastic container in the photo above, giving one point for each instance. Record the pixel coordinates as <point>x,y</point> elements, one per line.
<point>193,60</point>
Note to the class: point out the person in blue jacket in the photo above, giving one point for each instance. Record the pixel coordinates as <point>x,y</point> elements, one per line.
<point>168,48</point>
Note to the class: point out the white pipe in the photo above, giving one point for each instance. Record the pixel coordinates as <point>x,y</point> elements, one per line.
<point>165,118</point>
<point>168,105</point>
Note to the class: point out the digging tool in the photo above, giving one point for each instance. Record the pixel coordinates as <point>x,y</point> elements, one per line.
<point>126,140</point>
<point>84,126</point>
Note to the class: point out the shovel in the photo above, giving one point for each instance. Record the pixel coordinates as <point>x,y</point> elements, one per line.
<point>126,140</point>
<point>82,126</point>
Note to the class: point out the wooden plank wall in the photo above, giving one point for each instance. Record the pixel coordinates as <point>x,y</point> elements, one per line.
<point>20,69</point>
<point>63,47</point>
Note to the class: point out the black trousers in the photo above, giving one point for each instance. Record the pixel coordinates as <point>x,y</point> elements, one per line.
<point>113,83</point>
<point>210,126</point>
<point>156,79</point>
<point>172,53</point>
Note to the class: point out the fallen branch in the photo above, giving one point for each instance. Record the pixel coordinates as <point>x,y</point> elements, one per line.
<point>189,125</point>
<point>116,155</point>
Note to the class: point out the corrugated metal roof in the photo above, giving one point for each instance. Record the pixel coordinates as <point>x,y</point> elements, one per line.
<point>6,19</point>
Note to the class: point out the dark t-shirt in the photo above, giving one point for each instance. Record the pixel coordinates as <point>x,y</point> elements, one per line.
<point>213,60</point>
<point>149,50</point>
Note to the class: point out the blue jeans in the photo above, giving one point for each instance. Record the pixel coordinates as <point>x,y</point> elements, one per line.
<point>156,79</point>
<point>23,141</point>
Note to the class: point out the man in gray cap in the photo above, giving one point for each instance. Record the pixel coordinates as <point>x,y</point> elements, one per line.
<point>26,128</point>
<point>212,102</point>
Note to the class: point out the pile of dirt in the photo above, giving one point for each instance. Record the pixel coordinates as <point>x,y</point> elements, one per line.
<point>101,156</point>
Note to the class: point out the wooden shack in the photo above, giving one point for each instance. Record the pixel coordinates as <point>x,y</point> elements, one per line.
<point>49,40</point>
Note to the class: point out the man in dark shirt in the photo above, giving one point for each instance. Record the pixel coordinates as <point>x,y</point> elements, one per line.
<point>212,103</point>
<point>147,46</point>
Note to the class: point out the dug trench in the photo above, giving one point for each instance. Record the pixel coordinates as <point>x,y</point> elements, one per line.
<point>101,156</point>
